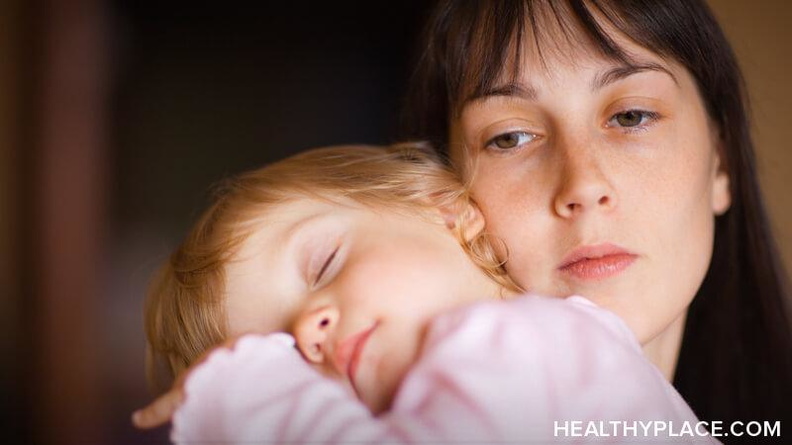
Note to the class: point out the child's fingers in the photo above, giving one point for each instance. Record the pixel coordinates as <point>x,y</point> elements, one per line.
<point>159,411</point>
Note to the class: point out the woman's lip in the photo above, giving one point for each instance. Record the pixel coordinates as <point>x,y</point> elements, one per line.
<point>597,262</point>
<point>348,354</point>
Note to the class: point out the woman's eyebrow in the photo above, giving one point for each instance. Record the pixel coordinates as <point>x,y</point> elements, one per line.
<point>615,74</point>
<point>512,89</point>
<point>601,80</point>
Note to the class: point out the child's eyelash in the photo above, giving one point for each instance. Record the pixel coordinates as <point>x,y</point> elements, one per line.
<point>325,266</point>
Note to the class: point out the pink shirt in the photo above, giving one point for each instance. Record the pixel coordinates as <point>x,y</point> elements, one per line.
<point>527,370</point>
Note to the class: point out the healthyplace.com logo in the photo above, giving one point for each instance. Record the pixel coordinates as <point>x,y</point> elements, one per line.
<point>665,428</point>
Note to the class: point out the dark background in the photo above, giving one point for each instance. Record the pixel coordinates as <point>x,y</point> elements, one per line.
<point>206,90</point>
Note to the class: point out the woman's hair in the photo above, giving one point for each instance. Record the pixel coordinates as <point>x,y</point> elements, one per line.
<point>736,357</point>
<point>184,313</point>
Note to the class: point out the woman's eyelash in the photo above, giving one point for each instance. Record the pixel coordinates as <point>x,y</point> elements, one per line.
<point>510,140</point>
<point>325,266</point>
<point>633,120</point>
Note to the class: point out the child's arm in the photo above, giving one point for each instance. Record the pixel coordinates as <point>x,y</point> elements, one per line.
<point>262,391</point>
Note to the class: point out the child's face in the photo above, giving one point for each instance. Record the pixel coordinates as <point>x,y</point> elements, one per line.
<point>354,285</point>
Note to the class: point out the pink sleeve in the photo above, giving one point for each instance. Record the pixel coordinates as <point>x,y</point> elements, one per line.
<point>503,371</point>
<point>262,391</point>
<point>538,369</point>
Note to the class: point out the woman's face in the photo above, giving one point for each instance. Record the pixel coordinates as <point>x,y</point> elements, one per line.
<point>602,179</point>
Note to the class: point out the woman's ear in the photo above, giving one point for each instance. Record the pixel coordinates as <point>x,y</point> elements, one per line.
<point>721,192</point>
<point>464,218</point>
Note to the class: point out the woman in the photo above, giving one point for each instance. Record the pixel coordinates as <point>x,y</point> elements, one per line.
<point>608,146</point>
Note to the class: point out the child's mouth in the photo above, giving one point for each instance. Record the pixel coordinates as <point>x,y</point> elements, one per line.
<point>349,353</point>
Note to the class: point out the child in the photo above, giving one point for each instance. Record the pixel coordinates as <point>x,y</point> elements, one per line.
<point>355,253</point>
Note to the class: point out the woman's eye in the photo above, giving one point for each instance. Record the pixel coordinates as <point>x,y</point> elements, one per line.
<point>326,265</point>
<point>632,118</point>
<point>510,140</point>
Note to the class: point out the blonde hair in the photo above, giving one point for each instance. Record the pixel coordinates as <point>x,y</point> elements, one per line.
<point>184,314</point>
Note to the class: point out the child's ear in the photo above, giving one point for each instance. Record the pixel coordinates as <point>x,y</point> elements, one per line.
<point>465,217</point>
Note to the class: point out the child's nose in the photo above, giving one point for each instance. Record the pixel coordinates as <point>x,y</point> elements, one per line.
<point>313,330</point>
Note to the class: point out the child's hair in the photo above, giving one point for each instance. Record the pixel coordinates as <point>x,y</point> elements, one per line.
<point>184,313</point>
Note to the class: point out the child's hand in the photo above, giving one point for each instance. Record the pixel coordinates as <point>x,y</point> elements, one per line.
<point>161,410</point>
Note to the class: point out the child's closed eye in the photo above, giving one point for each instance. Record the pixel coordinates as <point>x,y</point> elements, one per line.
<point>325,266</point>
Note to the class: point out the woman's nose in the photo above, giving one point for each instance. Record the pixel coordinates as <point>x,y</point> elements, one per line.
<point>313,330</point>
<point>584,186</point>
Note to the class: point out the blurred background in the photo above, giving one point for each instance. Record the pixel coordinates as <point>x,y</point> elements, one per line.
<point>115,118</point>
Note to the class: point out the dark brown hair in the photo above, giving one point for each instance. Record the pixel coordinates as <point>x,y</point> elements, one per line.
<point>736,358</point>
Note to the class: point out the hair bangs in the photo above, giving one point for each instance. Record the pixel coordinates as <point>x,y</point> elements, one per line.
<point>491,51</point>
